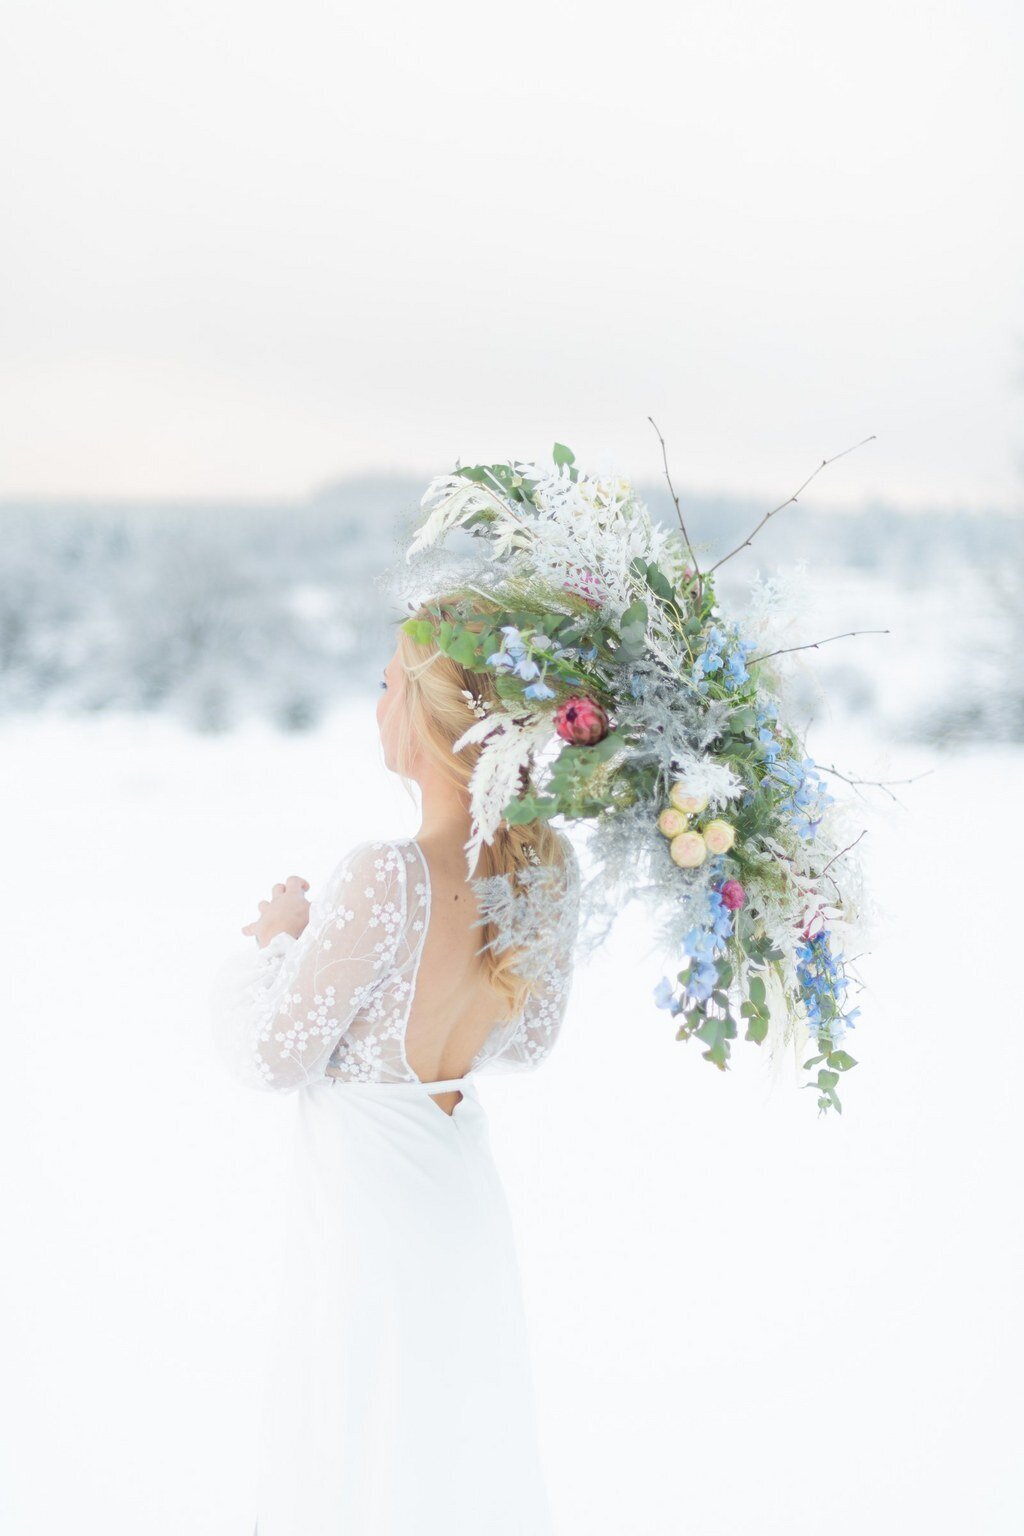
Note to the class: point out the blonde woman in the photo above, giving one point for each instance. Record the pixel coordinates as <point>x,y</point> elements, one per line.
<point>398,1395</point>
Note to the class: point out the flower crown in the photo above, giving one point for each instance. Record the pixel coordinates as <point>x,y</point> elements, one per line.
<point>645,715</point>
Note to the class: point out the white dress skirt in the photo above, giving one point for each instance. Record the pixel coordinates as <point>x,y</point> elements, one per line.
<point>398,1397</point>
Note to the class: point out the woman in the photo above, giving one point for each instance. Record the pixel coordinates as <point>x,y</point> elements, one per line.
<point>398,1400</point>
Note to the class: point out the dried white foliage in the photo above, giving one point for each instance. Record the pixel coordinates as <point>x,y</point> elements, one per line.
<point>509,740</point>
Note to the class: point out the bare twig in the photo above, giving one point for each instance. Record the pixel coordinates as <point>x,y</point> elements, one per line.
<point>812,645</point>
<point>839,855</point>
<point>679,510</point>
<point>875,783</point>
<point>796,493</point>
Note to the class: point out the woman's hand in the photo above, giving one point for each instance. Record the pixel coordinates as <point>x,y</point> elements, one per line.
<point>287,911</point>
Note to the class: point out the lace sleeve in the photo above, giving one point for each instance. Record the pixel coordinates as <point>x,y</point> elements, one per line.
<point>546,1002</point>
<point>279,1012</point>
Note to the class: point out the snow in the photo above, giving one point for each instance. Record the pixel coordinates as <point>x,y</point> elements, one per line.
<point>744,1317</point>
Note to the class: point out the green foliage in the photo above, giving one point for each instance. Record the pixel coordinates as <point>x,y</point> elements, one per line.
<point>421,630</point>
<point>500,477</point>
<point>632,643</point>
<point>530,808</point>
<point>754,1009</point>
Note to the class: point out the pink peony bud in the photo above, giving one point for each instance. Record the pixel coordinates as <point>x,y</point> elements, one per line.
<point>733,895</point>
<point>582,722</point>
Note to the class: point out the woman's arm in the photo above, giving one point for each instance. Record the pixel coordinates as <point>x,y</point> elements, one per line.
<point>280,1010</point>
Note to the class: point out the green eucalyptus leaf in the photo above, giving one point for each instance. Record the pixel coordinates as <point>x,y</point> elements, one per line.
<point>421,630</point>
<point>841,1060</point>
<point>717,1053</point>
<point>530,808</point>
<point>463,649</point>
<point>636,613</point>
<point>710,1030</point>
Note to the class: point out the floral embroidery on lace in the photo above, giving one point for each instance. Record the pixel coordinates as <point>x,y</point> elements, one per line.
<point>336,1001</point>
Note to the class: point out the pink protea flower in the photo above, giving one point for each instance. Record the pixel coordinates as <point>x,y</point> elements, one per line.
<point>733,895</point>
<point>581,721</point>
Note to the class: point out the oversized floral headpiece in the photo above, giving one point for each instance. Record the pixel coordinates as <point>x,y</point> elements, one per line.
<point>649,719</point>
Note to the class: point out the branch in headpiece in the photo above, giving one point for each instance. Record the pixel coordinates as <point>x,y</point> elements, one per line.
<point>769,515</point>
<point>885,784</point>
<point>812,645</point>
<point>679,510</point>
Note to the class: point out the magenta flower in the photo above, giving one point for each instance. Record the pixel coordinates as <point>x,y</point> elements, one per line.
<point>582,722</point>
<point>733,895</point>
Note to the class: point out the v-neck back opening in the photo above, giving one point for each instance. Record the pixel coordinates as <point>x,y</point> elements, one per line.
<point>496,1026</point>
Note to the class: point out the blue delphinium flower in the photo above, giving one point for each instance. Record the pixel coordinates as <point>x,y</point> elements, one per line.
<point>704,944</point>
<point>807,800</point>
<point>538,690</point>
<point>514,655</point>
<point>664,996</point>
<point>736,667</point>
<point>766,720</point>
<point>724,657</point>
<point>822,980</point>
<point>710,659</point>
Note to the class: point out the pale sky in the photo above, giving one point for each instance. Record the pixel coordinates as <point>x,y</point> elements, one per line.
<point>253,247</point>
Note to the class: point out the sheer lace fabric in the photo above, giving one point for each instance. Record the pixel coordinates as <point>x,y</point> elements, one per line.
<point>336,1001</point>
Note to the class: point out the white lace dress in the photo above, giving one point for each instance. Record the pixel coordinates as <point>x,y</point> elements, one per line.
<point>398,1396</point>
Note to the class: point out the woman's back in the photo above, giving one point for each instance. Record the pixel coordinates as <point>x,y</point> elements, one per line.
<point>386,983</point>
<point>455,1005</point>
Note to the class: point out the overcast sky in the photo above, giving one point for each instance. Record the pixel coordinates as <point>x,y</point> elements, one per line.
<point>252,247</point>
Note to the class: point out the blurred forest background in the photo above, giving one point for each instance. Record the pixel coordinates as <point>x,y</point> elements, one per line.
<point>215,613</point>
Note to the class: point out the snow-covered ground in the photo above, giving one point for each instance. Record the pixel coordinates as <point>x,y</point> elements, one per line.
<point>746,1318</point>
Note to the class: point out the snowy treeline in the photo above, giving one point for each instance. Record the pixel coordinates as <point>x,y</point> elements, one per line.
<point>220,611</point>
<point>211,611</point>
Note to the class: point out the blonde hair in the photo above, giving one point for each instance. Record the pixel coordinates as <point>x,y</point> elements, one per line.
<point>437,712</point>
